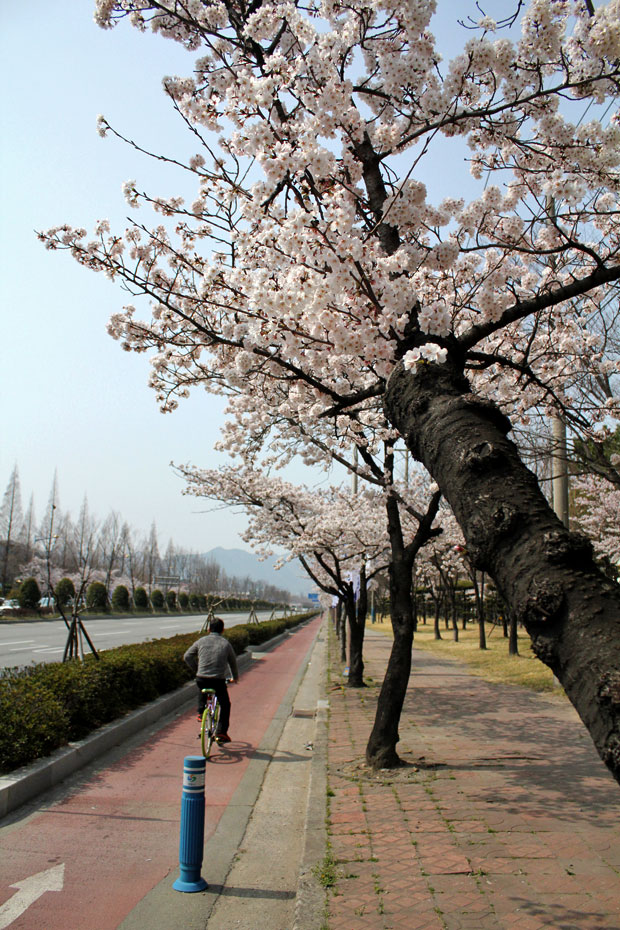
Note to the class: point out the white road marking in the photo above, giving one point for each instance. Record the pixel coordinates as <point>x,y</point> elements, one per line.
<point>113,633</point>
<point>30,890</point>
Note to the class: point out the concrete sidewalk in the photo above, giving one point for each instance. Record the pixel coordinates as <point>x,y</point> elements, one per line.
<point>503,817</point>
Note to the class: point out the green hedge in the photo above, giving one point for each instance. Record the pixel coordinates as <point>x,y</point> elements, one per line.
<point>261,632</point>
<point>43,707</point>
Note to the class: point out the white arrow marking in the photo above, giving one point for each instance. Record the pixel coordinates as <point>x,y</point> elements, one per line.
<point>29,890</point>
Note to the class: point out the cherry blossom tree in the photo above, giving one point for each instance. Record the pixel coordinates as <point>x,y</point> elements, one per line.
<point>312,248</point>
<point>262,424</point>
<point>342,539</point>
<point>334,534</point>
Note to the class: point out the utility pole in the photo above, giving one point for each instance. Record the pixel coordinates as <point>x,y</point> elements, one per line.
<point>559,469</point>
<point>559,457</point>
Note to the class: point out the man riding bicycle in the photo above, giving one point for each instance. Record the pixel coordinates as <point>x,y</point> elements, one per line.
<point>209,658</point>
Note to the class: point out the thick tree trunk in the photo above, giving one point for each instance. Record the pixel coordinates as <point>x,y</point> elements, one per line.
<point>357,627</point>
<point>513,640</point>
<point>381,747</point>
<point>437,631</point>
<point>482,633</point>
<point>546,575</point>
<point>482,636</point>
<point>343,635</point>
<point>455,623</point>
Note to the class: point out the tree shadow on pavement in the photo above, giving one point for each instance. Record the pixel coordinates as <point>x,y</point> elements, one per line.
<point>561,917</point>
<point>230,891</point>
<point>539,750</point>
<point>236,751</point>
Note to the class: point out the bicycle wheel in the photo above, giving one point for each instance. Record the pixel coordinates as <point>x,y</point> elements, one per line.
<point>207,731</point>
<point>216,719</point>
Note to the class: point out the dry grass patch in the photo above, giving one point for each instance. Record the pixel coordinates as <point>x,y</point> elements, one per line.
<point>494,663</point>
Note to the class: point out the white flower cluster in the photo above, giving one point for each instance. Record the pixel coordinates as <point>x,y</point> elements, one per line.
<point>429,352</point>
<point>435,318</point>
<point>130,193</point>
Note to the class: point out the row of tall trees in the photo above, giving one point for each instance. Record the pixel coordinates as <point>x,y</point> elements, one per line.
<point>315,281</point>
<point>107,551</point>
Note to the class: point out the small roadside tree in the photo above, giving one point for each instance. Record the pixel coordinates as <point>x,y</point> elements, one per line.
<point>97,596</point>
<point>140,599</point>
<point>29,594</point>
<point>157,599</point>
<point>120,598</point>
<point>64,590</point>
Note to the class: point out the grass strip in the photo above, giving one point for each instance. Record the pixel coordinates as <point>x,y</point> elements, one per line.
<point>493,663</point>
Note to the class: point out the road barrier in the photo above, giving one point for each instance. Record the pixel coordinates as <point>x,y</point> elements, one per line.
<point>192,826</point>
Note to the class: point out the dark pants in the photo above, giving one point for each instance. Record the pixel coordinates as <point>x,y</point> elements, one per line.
<point>219,686</point>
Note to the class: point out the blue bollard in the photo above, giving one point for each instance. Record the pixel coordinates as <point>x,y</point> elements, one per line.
<point>192,825</point>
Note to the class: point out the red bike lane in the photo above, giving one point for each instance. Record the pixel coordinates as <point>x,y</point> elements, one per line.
<point>86,861</point>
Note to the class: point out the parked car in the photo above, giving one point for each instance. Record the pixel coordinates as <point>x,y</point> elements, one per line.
<point>10,604</point>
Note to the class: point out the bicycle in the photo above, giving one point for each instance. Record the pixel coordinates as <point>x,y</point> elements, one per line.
<point>210,720</point>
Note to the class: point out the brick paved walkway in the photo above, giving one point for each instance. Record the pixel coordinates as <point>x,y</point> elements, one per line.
<point>504,817</point>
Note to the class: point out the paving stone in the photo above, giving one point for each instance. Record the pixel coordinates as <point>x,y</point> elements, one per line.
<point>510,821</point>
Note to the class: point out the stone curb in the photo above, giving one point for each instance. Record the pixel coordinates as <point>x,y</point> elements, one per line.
<point>26,783</point>
<point>310,897</point>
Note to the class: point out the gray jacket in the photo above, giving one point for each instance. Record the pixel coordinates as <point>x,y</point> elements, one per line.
<point>211,656</point>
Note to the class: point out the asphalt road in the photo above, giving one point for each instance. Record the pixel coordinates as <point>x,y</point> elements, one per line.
<point>22,643</point>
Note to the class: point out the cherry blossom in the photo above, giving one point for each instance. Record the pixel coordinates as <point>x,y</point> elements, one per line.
<point>296,268</point>
<point>313,255</point>
<point>597,502</point>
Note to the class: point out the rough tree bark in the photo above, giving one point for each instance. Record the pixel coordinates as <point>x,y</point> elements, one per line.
<point>545,574</point>
<point>341,630</point>
<point>356,613</point>
<point>381,746</point>
<point>513,640</point>
<point>436,630</point>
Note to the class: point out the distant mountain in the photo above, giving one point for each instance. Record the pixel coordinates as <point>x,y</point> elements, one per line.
<point>242,564</point>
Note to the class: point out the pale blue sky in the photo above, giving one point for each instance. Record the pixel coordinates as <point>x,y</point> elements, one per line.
<point>71,400</point>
